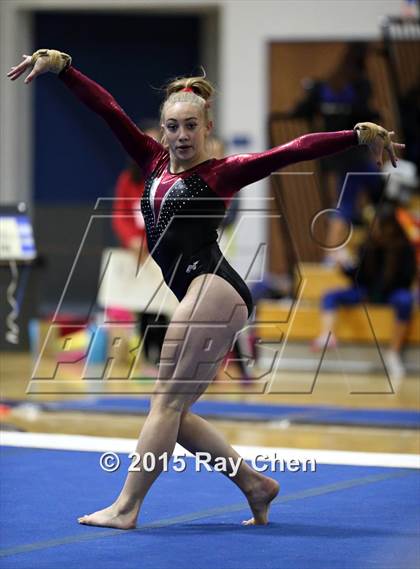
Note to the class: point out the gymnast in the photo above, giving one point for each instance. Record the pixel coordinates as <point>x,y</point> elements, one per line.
<point>184,201</point>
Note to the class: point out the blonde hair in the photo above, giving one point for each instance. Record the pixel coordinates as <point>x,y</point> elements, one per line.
<point>199,93</point>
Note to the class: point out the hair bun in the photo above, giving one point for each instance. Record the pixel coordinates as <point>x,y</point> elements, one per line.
<point>198,85</point>
<point>193,90</point>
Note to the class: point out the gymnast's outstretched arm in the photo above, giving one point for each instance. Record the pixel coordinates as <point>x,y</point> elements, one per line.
<point>142,148</point>
<point>244,169</point>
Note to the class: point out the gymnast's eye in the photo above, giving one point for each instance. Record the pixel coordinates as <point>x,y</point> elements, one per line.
<point>171,127</point>
<point>191,125</point>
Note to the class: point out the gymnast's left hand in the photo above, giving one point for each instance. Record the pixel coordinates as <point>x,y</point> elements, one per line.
<point>378,145</point>
<point>378,139</point>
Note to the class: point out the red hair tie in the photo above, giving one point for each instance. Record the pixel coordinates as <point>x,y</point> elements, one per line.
<point>187,89</point>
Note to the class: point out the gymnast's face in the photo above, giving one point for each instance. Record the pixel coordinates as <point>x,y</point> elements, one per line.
<point>185,132</point>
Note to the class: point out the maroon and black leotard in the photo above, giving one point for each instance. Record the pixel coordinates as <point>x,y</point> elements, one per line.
<point>183,211</point>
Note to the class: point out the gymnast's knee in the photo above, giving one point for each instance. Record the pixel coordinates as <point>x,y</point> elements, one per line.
<point>185,419</point>
<point>164,403</point>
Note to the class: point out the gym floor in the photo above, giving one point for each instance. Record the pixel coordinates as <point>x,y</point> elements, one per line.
<point>358,509</point>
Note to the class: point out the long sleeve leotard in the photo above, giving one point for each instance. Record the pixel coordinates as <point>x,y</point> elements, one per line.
<point>183,211</point>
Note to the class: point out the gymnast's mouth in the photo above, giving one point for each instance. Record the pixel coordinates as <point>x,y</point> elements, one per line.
<point>184,147</point>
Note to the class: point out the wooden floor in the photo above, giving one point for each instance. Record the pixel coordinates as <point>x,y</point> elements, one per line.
<point>330,389</point>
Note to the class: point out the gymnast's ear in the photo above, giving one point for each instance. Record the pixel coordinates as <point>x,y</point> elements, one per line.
<point>162,137</point>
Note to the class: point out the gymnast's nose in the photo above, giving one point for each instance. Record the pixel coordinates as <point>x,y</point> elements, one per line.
<point>183,134</point>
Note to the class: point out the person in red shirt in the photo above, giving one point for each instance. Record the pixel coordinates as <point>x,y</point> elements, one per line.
<point>129,189</point>
<point>131,232</point>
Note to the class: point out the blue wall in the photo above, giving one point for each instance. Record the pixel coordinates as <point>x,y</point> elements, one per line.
<point>77,158</point>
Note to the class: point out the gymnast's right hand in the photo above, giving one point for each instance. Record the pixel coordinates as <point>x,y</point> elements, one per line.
<point>41,61</point>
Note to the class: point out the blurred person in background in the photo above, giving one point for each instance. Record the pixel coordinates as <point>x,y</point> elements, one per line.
<point>270,287</point>
<point>131,232</point>
<point>242,352</point>
<point>384,274</point>
<point>410,122</point>
<point>340,101</point>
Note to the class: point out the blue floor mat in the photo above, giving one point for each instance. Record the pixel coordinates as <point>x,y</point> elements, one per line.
<point>253,412</point>
<point>337,517</point>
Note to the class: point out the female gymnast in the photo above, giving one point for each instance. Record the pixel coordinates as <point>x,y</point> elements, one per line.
<point>184,201</point>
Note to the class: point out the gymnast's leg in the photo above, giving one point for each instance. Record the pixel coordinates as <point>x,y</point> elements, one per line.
<point>201,332</point>
<point>197,435</point>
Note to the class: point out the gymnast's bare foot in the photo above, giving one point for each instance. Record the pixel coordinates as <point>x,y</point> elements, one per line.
<point>110,517</point>
<point>259,499</point>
